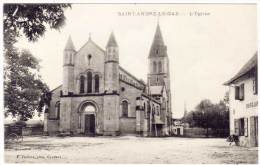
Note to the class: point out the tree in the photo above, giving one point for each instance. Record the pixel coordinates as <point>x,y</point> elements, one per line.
<point>204,114</point>
<point>32,19</point>
<point>188,118</point>
<point>226,98</point>
<point>24,90</point>
<point>22,85</point>
<point>208,115</point>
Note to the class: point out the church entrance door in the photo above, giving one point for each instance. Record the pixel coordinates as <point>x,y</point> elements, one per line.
<point>90,124</point>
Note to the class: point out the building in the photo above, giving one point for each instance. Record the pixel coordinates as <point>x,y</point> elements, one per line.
<point>177,127</point>
<point>244,103</point>
<point>99,97</point>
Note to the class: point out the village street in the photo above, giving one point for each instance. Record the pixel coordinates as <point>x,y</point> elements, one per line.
<point>127,149</point>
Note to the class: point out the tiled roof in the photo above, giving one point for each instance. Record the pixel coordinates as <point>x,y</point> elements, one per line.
<point>245,69</point>
<point>131,75</point>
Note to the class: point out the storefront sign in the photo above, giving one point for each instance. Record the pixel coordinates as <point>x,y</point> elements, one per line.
<point>252,104</point>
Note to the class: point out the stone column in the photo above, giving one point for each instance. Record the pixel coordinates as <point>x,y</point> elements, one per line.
<point>45,123</point>
<point>111,114</point>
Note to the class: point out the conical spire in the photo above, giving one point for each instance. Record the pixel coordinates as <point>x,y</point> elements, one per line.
<point>112,41</point>
<point>69,44</point>
<point>158,39</point>
<point>158,48</point>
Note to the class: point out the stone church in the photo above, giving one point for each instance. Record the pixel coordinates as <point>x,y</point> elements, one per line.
<point>100,97</point>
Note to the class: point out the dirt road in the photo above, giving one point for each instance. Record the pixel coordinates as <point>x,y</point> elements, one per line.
<point>127,149</point>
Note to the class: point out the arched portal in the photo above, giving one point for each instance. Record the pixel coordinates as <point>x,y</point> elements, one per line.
<point>87,118</point>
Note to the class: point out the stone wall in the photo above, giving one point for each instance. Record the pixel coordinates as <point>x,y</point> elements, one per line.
<point>251,140</point>
<point>65,113</point>
<point>95,65</point>
<point>55,97</point>
<point>34,130</point>
<point>127,126</point>
<point>78,103</point>
<point>53,127</point>
<point>201,132</point>
<point>130,94</point>
<point>111,115</point>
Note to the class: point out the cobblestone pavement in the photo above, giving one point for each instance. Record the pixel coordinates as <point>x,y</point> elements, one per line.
<point>127,149</point>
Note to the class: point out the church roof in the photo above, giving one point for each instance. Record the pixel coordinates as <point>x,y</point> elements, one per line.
<point>131,75</point>
<point>112,41</point>
<point>90,41</point>
<point>69,44</point>
<point>58,87</point>
<point>252,63</point>
<point>158,47</point>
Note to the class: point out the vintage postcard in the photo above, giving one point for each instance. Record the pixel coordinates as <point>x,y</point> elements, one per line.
<point>146,83</point>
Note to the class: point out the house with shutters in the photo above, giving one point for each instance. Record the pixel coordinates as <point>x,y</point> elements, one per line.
<point>243,102</point>
<point>99,97</point>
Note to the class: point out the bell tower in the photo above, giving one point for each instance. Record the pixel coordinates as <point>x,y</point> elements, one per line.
<point>67,87</point>
<point>111,94</point>
<point>159,73</point>
<point>158,62</point>
<point>68,67</point>
<point>111,65</point>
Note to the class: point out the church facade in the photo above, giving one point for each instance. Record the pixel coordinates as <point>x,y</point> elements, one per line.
<point>99,97</point>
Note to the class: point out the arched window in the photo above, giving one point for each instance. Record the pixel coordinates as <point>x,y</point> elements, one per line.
<point>79,122</point>
<point>82,84</point>
<point>160,66</point>
<point>57,110</point>
<point>96,83</point>
<point>89,90</point>
<point>89,58</point>
<point>154,66</point>
<point>124,108</point>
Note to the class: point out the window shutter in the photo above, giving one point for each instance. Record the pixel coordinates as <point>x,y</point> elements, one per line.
<point>236,127</point>
<point>255,84</point>
<point>241,127</point>
<point>242,92</point>
<point>246,127</point>
<point>236,92</point>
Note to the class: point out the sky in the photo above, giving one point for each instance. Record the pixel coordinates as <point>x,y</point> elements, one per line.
<point>204,50</point>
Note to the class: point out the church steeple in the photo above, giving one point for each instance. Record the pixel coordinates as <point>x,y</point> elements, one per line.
<point>68,67</point>
<point>158,39</point>
<point>69,44</point>
<point>112,41</point>
<point>111,65</point>
<point>158,61</point>
<point>158,49</point>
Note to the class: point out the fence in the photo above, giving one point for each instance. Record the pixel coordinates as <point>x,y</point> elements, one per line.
<point>201,132</point>
<point>25,130</point>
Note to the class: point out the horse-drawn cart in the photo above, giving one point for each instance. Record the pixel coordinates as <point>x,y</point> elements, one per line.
<point>13,134</point>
